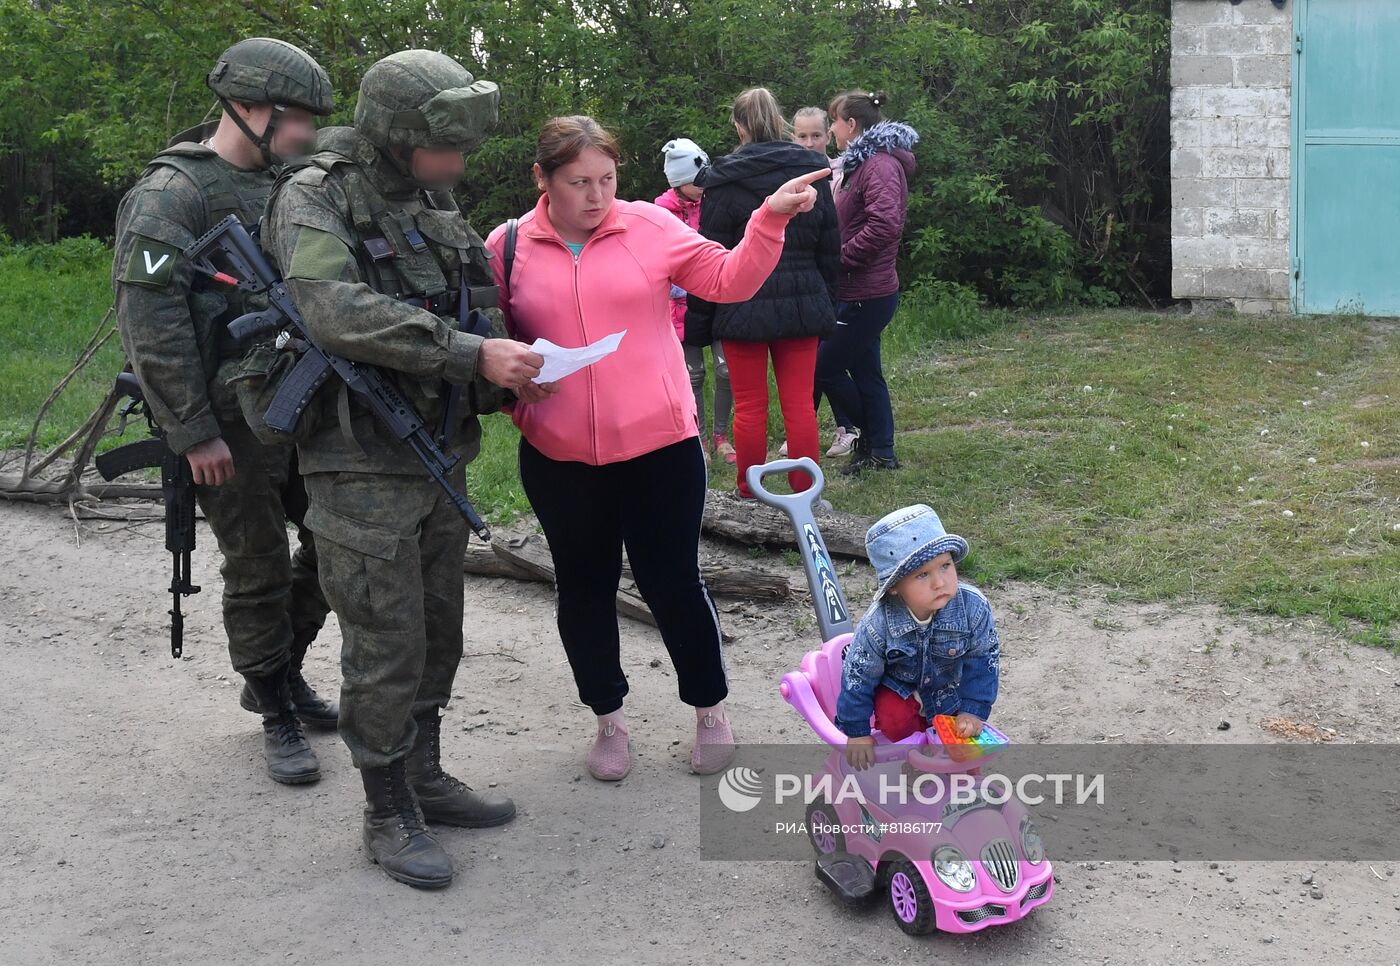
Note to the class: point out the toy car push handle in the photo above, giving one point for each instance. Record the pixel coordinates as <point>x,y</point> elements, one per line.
<point>807,498</point>
<point>797,691</point>
<point>833,616</point>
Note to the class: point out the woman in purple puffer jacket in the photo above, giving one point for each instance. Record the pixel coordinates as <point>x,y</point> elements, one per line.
<point>876,163</point>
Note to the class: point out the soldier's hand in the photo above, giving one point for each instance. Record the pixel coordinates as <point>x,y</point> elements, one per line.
<point>508,363</point>
<point>211,463</point>
<point>533,392</point>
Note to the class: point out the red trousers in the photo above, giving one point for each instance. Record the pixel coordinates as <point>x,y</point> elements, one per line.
<point>897,717</point>
<point>794,365</point>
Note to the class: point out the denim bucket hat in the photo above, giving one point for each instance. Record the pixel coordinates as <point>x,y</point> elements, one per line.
<point>903,541</point>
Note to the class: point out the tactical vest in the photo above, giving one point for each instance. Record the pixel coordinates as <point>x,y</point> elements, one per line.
<point>417,249</point>
<point>224,192</point>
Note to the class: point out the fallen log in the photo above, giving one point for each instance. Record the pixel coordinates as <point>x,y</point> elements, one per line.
<point>728,580</point>
<point>532,554</point>
<point>724,580</point>
<point>483,561</point>
<point>756,524</point>
<point>34,490</point>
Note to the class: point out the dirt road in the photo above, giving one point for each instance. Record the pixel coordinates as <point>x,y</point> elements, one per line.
<point>139,828</point>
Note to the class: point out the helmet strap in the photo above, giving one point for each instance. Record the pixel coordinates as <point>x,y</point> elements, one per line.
<point>262,142</point>
<point>402,157</point>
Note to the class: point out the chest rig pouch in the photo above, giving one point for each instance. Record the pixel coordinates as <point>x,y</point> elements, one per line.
<point>420,251</point>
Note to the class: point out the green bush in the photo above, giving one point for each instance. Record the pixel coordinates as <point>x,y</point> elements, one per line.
<point>1042,169</point>
<point>65,257</point>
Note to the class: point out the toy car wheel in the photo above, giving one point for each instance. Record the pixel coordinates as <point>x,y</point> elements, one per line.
<point>823,829</point>
<point>909,898</point>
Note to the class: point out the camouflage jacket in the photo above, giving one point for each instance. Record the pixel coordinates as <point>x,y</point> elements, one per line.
<point>373,264</point>
<point>172,324</point>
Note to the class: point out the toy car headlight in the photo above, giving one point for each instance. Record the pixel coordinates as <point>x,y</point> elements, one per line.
<point>1031,845</point>
<point>953,869</point>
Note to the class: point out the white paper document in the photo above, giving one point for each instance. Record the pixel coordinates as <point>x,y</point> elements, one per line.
<point>560,362</point>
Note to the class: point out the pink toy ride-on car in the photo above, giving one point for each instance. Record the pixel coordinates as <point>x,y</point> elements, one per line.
<point>946,854</point>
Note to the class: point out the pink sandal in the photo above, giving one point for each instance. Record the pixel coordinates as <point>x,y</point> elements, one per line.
<point>723,447</point>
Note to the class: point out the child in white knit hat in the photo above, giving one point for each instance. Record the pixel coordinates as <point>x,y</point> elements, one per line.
<point>683,161</point>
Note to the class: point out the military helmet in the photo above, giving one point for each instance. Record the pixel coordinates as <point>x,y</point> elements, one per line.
<point>424,99</point>
<point>263,70</point>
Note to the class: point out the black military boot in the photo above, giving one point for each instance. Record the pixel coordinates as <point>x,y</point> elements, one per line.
<point>313,710</point>
<point>289,757</point>
<point>443,798</point>
<point>394,835</point>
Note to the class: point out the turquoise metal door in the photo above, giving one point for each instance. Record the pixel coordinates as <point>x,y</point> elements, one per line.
<point>1346,156</point>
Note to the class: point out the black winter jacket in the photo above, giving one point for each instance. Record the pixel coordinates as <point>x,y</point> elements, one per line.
<point>799,298</point>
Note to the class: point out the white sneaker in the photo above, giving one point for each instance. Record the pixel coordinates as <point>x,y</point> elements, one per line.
<point>843,442</point>
<point>782,450</point>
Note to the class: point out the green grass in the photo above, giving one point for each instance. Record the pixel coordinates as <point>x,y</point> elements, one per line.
<point>1158,483</point>
<point>493,480</point>
<point>51,300</point>
<point>1156,455</point>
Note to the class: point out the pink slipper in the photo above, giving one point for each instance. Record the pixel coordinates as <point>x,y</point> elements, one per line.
<point>610,758</point>
<point>714,744</point>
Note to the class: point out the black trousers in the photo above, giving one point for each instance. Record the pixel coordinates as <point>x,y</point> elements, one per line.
<point>651,505</point>
<point>849,371</point>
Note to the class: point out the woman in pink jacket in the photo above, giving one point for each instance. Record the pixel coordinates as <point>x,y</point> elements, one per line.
<point>611,457</point>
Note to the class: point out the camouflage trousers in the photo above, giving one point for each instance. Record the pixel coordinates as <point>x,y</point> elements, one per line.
<point>272,596</point>
<point>391,550</point>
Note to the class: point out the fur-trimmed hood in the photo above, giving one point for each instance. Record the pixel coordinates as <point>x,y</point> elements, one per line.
<point>890,136</point>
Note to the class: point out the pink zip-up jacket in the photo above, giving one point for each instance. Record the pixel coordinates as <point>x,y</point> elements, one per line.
<point>638,399</point>
<point>688,212</point>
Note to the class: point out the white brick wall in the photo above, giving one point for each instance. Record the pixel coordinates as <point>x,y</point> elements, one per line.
<point>1231,71</point>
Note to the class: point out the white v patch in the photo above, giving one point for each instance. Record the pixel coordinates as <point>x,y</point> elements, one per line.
<point>151,269</point>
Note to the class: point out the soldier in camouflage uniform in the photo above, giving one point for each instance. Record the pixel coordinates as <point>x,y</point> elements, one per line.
<point>173,328</point>
<point>376,255</point>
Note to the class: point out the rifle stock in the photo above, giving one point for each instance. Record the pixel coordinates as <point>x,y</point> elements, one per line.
<point>250,271</point>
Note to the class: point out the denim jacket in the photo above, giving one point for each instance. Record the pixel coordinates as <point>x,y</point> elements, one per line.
<point>953,664</point>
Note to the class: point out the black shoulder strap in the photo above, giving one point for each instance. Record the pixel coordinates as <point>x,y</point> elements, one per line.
<point>512,226</point>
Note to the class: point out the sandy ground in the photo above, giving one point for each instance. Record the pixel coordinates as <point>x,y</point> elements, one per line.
<point>139,827</point>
